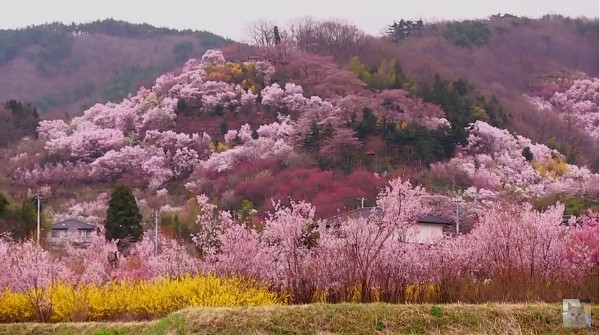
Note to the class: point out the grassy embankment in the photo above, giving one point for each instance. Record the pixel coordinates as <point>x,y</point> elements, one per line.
<point>376,318</point>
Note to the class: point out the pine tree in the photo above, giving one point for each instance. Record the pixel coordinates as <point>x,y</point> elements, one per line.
<point>3,204</point>
<point>276,35</point>
<point>123,217</point>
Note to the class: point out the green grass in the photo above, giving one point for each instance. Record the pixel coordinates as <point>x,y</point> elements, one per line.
<point>335,319</point>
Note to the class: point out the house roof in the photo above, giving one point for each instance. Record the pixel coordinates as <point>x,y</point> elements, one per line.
<point>436,219</point>
<point>72,224</point>
<point>366,211</point>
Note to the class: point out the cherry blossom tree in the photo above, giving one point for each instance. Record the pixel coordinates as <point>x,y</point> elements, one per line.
<point>31,270</point>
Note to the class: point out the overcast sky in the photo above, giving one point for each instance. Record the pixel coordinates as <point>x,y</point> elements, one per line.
<point>229,18</point>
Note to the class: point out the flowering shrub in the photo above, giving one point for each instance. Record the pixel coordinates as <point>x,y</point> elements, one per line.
<point>138,300</point>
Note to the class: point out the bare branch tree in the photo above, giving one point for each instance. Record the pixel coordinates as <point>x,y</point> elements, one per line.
<point>260,33</point>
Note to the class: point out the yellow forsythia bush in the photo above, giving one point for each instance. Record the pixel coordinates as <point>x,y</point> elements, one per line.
<point>15,307</point>
<point>137,300</point>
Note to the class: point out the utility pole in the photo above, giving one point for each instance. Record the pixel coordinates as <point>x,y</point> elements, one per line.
<point>39,199</point>
<point>457,216</point>
<point>362,202</point>
<point>156,232</point>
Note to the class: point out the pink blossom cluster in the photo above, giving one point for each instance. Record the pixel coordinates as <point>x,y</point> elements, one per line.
<point>52,173</point>
<point>261,147</point>
<point>266,69</point>
<point>376,251</point>
<point>493,159</point>
<point>86,145</point>
<point>398,106</point>
<point>213,57</point>
<point>28,266</point>
<point>145,263</point>
<point>577,105</point>
<point>104,153</point>
<point>273,141</point>
<point>197,90</point>
<point>19,157</point>
<point>393,105</point>
<point>92,212</point>
<point>290,96</point>
<point>51,129</point>
<point>89,265</point>
<point>513,237</point>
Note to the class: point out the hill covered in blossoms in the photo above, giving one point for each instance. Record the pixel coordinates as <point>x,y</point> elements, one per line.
<point>247,134</point>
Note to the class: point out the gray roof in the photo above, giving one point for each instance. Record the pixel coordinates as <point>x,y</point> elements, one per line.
<point>432,218</point>
<point>72,224</point>
<point>377,211</point>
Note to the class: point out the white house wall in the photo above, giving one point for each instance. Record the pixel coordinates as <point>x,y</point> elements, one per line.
<point>425,233</point>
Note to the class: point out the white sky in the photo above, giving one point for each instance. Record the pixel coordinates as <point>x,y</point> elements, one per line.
<point>229,18</point>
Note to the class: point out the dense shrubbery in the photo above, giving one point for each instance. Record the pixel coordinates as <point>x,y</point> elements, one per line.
<point>463,104</point>
<point>132,300</point>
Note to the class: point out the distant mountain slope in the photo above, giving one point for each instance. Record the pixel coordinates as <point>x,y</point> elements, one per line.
<point>501,53</point>
<point>67,68</point>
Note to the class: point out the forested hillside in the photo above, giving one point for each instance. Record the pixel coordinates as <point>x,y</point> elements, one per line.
<point>63,68</point>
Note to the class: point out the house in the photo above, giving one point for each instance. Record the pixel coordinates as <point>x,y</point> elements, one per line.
<point>428,228</point>
<point>431,227</point>
<point>70,230</point>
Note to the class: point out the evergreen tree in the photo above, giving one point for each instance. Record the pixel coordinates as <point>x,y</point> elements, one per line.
<point>313,138</point>
<point>276,35</point>
<point>26,216</point>
<point>368,125</point>
<point>3,204</point>
<point>123,218</point>
<point>527,154</point>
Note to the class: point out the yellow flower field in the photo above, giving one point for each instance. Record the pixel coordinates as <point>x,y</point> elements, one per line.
<point>132,300</point>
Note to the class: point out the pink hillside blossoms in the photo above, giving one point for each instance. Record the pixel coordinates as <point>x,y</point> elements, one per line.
<point>133,137</point>
<point>494,161</point>
<point>577,105</point>
<point>273,141</point>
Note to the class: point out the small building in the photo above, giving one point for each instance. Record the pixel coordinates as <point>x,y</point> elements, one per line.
<point>431,227</point>
<point>70,230</point>
<point>428,228</point>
